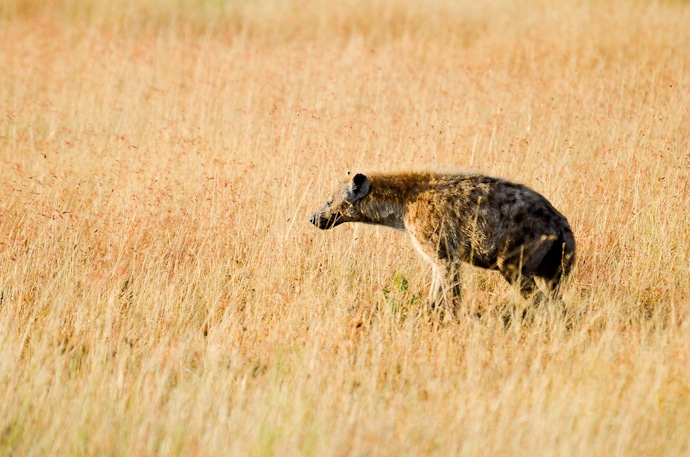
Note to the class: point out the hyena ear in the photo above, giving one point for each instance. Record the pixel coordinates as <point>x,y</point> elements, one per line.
<point>359,186</point>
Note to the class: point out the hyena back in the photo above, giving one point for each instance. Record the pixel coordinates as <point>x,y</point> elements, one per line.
<point>454,218</point>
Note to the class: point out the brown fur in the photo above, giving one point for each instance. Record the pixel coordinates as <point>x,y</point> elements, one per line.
<point>454,218</point>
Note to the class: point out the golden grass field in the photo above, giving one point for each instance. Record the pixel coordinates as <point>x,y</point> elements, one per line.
<point>161,289</point>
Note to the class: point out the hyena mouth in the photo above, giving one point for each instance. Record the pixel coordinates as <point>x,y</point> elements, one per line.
<point>324,223</point>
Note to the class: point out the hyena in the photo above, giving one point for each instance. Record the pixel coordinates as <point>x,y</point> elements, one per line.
<point>452,218</point>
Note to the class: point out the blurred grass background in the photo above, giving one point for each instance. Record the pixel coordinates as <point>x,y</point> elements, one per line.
<point>161,290</point>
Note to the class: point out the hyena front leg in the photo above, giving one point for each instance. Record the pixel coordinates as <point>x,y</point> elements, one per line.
<point>436,290</point>
<point>446,291</point>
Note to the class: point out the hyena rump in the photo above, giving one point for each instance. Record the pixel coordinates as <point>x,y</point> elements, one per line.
<point>454,218</point>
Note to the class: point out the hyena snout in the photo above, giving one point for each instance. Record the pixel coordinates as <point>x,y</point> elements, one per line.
<point>323,221</point>
<point>316,220</point>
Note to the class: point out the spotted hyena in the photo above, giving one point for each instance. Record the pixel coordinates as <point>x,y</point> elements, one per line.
<point>453,218</point>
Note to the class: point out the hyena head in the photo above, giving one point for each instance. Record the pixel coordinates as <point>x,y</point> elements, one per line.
<point>343,204</point>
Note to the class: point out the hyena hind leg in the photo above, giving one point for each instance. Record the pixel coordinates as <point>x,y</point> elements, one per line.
<point>525,283</point>
<point>529,290</point>
<point>553,286</point>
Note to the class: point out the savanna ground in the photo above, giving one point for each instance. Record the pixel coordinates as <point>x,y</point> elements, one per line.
<point>161,290</point>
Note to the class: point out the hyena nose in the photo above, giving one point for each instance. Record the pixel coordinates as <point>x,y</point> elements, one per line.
<point>312,219</point>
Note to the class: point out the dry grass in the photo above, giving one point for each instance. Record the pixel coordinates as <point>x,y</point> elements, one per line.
<point>161,291</point>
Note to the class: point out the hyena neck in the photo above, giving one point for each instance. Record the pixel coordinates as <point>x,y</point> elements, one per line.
<point>382,212</point>
<point>386,202</point>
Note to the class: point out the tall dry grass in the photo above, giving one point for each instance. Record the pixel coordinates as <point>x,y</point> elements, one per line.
<point>161,290</point>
